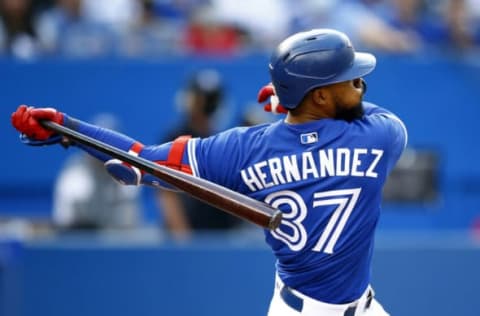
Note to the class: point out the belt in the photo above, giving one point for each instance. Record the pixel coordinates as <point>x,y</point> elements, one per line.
<point>296,302</point>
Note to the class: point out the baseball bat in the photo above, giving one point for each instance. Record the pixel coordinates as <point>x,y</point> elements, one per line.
<point>218,196</point>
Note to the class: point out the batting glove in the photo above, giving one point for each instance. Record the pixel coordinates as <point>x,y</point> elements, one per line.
<point>26,120</point>
<point>268,93</point>
<point>123,172</point>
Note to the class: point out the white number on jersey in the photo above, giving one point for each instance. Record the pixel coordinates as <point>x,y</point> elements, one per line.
<point>297,238</point>
<point>293,219</point>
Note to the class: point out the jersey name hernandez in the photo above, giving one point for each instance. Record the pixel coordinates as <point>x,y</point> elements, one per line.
<point>326,177</point>
<point>331,162</point>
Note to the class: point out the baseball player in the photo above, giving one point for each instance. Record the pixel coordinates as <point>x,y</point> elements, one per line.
<point>323,166</point>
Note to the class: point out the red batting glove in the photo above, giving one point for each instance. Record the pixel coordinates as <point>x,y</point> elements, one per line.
<point>273,106</point>
<point>25,120</point>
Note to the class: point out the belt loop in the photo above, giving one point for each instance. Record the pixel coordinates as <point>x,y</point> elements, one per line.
<point>291,299</point>
<point>364,302</point>
<point>370,296</point>
<point>350,311</point>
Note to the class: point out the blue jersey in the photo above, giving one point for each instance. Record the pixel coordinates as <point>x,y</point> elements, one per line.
<point>327,177</point>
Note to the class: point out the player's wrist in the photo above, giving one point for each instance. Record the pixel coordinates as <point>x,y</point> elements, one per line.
<point>52,140</point>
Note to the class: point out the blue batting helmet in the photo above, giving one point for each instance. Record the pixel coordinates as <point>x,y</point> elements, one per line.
<point>312,59</point>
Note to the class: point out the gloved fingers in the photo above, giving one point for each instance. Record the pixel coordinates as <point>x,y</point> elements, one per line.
<point>35,130</point>
<point>265,92</point>
<point>44,113</point>
<point>280,110</point>
<point>23,120</point>
<point>17,117</point>
<point>35,142</point>
<point>123,172</point>
<point>275,106</point>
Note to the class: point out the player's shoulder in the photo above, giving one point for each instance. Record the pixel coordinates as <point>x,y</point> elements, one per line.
<point>219,156</point>
<point>383,124</point>
<point>372,110</point>
<point>232,140</point>
<point>374,113</point>
<point>244,132</point>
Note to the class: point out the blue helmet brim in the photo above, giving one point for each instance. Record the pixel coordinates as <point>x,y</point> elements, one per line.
<point>363,64</point>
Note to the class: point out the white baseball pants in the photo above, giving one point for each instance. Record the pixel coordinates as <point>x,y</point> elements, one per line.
<point>295,303</point>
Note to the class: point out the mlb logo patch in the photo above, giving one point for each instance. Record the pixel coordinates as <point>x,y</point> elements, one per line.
<point>309,138</point>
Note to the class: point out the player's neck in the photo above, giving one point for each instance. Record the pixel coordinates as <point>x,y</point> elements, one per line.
<point>304,115</point>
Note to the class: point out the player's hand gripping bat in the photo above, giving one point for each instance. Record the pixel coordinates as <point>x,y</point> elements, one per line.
<point>223,198</point>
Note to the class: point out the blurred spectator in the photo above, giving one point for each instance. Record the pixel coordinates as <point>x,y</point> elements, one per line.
<point>367,28</point>
<point>310,14</point>
<point>64,30</point>
<point>456,17</point>
<point>17,33</point>
<point>182,214</point>
<point>150,34</point>
<point>360,19</point>
<point>254,114</point>
<point>263,23</point>
<point>412,16</point>
<point>177,11</point>
<point>86,197</point>
<point>208,34</point>
<point>438,24</point>
<point>473,23</point>
<point>152,28</point>
<point>118,14</point>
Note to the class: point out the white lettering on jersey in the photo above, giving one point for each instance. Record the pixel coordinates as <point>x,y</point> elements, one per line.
<point>309,166</point>
<point>290,168</point>
<point>343,162</point>
<point>275,165</point>
<point>356,162</point>
<point>261,174</point>
<point>295,211</point>
<point>292,231</point>
<point>251,179</point>
<point>340,162</point>
<point>378,155</point>
<point>326,163</point>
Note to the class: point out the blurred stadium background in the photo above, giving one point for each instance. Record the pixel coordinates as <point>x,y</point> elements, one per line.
<point>130,58</point>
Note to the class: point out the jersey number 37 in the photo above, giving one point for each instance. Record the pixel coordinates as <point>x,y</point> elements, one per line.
<point>293,233</point>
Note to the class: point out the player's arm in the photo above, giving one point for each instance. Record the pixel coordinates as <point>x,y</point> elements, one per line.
<point>398,128</point>
<point>373,109</point>
<point>172,154</point>
<point>390,128</point>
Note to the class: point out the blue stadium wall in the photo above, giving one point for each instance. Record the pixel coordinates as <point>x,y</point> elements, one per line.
<point>413,275</point>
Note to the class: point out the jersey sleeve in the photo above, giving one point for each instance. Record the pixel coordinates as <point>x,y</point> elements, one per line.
<point>217,157</point>
<point>391,129</point>
<point>104,135</point>
<point>172,154</point>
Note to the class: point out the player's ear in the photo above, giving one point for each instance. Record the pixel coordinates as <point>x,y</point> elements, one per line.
<point>320,96</point>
